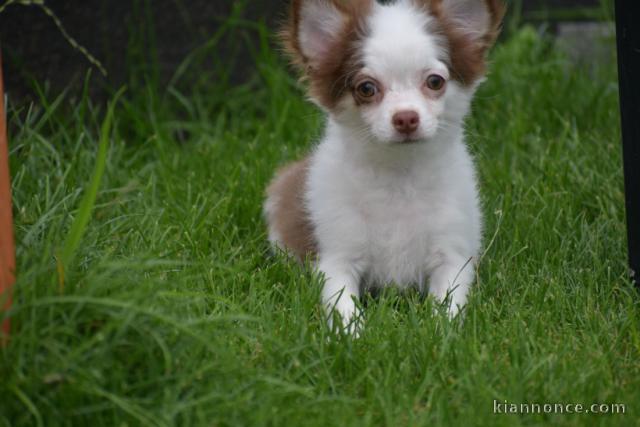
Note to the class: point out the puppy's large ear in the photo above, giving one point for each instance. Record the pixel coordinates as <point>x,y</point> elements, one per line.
<point>316,26</point>
<point>479,20</point>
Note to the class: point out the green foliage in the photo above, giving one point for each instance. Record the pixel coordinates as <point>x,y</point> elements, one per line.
<point>175,313</point>
<point>88,201</point>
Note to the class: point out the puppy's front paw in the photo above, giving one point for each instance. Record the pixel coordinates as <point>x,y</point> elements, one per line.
<point>450,304</point>
<point>454,309</point>
<point>348,317</point>
<point>450,283</point>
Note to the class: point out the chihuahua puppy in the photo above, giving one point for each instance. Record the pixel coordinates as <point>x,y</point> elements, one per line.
<point>389,195</point>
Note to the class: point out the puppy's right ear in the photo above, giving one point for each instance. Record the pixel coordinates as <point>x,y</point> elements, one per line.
<point>315,27</point>
<point>478,20</point>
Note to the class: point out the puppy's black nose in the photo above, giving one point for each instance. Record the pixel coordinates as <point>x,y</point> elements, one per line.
<point>406,122</point>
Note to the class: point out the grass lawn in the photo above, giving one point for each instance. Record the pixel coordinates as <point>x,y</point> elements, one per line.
<point>173,312</point>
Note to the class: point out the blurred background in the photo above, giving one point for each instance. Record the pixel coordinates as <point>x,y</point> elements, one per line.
<point>162,41</point>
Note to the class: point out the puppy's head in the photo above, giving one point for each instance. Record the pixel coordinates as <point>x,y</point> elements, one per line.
<point>396,73</point>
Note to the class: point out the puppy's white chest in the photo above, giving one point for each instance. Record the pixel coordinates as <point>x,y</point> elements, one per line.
<point>399,240</point>
<point>394,221</point>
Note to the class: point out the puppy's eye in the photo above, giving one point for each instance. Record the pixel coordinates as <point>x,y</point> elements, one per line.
<point>435,82</point>
<point>367,89</point>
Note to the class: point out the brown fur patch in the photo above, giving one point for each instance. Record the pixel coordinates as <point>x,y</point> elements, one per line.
<point>332,77</point>
<point>288,216</point>
<point>467,53</point>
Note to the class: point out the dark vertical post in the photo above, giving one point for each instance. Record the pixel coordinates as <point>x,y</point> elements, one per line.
<point>7,249</point>
<point>628,34</point>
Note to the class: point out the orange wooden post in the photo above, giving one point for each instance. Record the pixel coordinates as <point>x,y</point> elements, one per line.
<point>7,248</point>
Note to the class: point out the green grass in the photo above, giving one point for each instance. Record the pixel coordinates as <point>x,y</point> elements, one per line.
<point>172,311</point>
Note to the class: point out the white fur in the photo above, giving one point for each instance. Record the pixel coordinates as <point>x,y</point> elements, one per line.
<point>386,212</point>
<point>401,54</point>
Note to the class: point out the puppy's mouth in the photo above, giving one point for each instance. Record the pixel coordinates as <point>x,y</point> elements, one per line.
<point>409,139</point>
<point>403,140</point>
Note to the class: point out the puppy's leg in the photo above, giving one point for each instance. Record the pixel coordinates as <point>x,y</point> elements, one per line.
<point>340,291</point>
<point>451,280</point>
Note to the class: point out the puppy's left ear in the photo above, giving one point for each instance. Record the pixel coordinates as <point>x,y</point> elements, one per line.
<point>479,20</point>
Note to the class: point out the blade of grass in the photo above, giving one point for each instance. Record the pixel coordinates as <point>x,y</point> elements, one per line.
<point>28,403</point>
<point>88,201</point>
